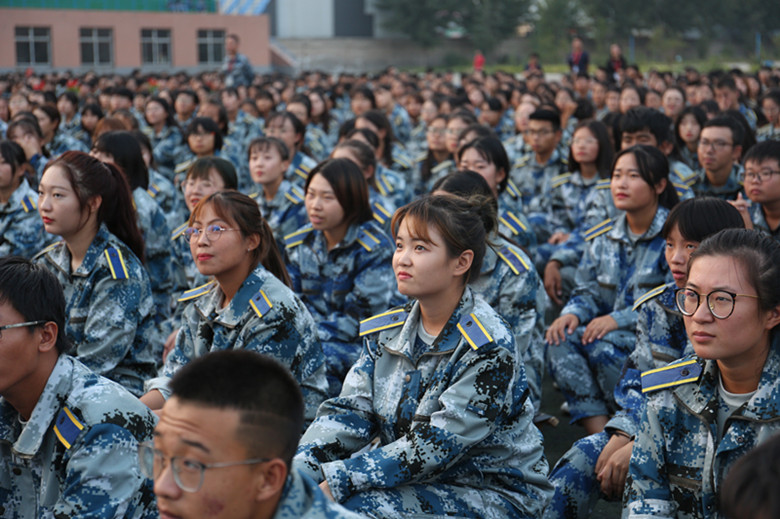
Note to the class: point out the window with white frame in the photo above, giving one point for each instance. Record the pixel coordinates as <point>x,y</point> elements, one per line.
<point>211,46</point>
<point>97,46</point>
<point>33,46</point>
<point>156,46</point>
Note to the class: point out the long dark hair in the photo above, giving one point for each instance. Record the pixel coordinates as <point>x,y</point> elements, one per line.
<point>380,120</point>
<point>606,151</point>
<point>349,185</point>
<point>244,212</point>
<point>89,178</point>
<point>127,154</point>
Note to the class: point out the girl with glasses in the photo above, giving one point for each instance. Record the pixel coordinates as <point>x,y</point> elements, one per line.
<point>247,305</point>
<point>707,410</point>
<point>596,466</point>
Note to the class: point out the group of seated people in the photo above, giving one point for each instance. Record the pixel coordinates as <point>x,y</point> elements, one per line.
<point>254,302</point>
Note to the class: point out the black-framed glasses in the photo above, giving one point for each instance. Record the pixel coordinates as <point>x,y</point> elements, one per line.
<point>762,176</point>
<point>720,302</point>
<point>212,232</point>
<point>716,145</point>
<point>187,473</point>
<point>20,325</point>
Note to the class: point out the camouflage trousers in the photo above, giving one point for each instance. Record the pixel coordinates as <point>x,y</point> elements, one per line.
<point>588,373</point>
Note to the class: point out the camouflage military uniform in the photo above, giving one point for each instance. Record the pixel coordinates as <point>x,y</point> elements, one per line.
<point>159,259</point>
<point>303,499</point>
<point>759,221</point>
<point>110,309</point>
<point>286,212</point>
<point>165,146</point>
<point>162,190</point>
<point>534,181</point>
<point>516,148</point>
<point>299,169</point>
<point>440,170</point>
<point>768,132</point>
<point>393,185</point>
<point>401,124</point>
<point>511,286</point>
<point>341,286</point>
<point>613,273</point>
<point>62,142</point>
<point>77,456</point>
<point>21,228</point>
<point>678,461</point>
<point>661,338</point>
<point>263,316</point>
<point>728,191</point>
<point>452,419</point>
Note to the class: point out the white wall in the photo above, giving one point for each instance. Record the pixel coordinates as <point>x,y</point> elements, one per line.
<point>304,18</point>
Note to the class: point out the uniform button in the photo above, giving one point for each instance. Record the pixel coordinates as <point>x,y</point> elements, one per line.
<point>17,471</point>
<point>740,440</point>
<point>407,378</point>
<point>684,373</point>
<point>395,318</point>
<point>468,323</point>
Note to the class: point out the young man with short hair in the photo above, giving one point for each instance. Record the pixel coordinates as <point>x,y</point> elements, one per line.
<point>68,437</point>
<point>762,186</point>
<point>225,443</point>
<point>719,152</point>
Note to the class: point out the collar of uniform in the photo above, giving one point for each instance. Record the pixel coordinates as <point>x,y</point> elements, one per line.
<point>15,201</point>
<point>666,299</point>
<point>232,316</point>
<point>278,199</point>
<point>491,258</point>
<point>54,394</point>
<point>320,244</point>
<point>701,398</point>
<point>60,256</point>
<point>619,230</point>
<point>447,340</point>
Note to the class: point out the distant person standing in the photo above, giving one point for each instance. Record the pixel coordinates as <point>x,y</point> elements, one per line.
<point>479,61</point>
<point>616,64</point>
<point>578,59</point>
<point>533,65</point>
<point>236,68</point>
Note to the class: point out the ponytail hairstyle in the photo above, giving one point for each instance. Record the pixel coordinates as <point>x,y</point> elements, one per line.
<point>244,213</point>
<point>463,224</point>
<point>127,154</point>
<point>466,183</point>
<point>89,178</point>
<point>364,155</point>
<point>653,167</point>
<point>350,187</point>
<point>759,255</point>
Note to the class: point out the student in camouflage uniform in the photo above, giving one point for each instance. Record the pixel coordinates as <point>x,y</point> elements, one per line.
<point>25,132</point>
<point>509,284</point>
<point>122,149</point>
<point>68,437</point>
<point>248,304</point>
<point>162,130</point>
<point>593,336</point>
<point>596,466</point>
<point>55,142</point>
<point>280,201</point>
<point>382,205</point>
<point>436,161</point>
<point>340,264</point>
<point>21,229</point>
<point>111,313</point>
<point>707,410</point>
<point>762,185</point>
<point>224,445</point>
<point>720,150</point>
<point>438,389</point>
<point>291,131</point>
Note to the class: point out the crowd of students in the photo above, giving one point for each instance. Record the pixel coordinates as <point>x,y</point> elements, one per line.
<point>410,254</point>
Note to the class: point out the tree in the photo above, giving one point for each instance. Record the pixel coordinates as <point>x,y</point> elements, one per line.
<point>486,22</point>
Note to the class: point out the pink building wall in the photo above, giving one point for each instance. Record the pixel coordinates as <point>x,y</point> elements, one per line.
<point>65,24</point>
